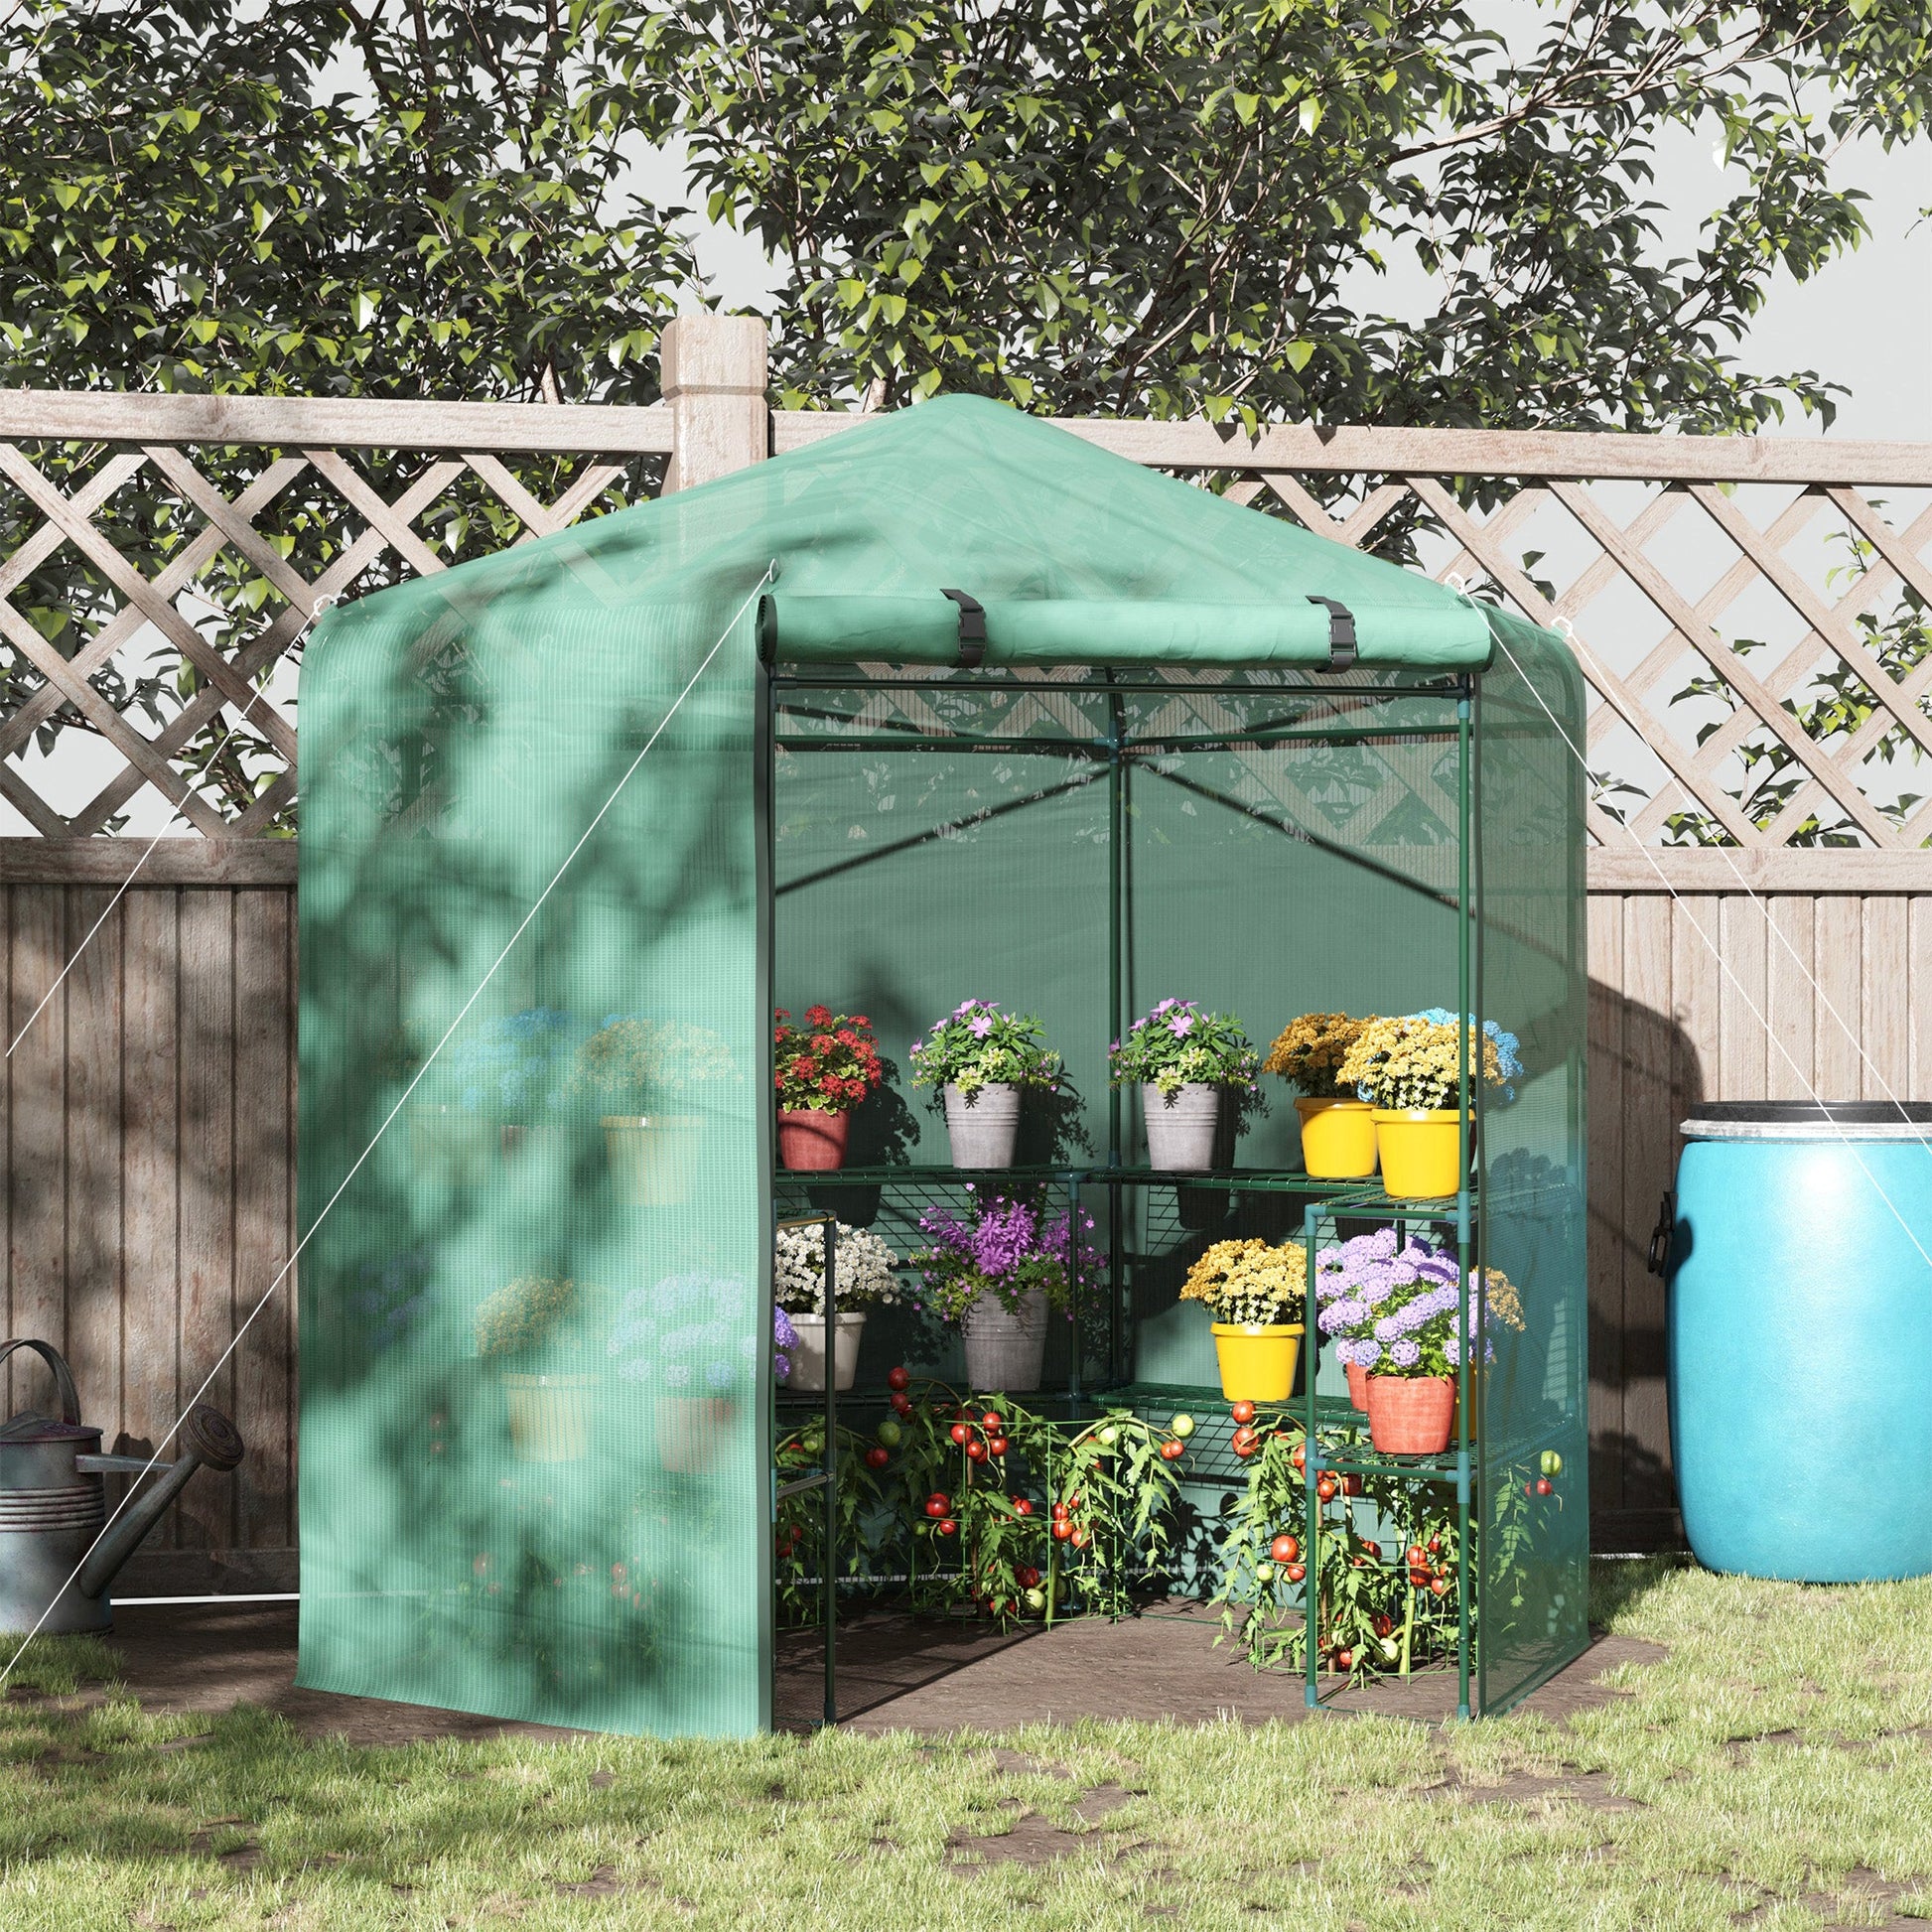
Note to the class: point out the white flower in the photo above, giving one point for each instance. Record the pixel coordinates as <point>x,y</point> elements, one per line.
<point>866,1270</point>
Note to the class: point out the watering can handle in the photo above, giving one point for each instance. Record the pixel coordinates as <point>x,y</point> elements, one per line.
<point>63,1377</point>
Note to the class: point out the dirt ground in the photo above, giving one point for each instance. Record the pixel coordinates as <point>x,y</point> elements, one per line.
<point>896,1673</point>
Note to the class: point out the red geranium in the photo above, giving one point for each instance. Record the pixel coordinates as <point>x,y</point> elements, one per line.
<point>830,1063</point>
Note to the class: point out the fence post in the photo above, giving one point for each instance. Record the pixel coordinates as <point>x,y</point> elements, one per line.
<point>714,376</point>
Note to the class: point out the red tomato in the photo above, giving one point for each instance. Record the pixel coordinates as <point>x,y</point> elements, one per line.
<point>960,1434</point>
<point>1438,1586</point>
<point>899,1379</point>
<point>1284,1549</point>
<point>1296,1571</point>
<point>1345,1660</point>
<point>998,1445</point>
<point>1351,1486</point>
<point>947,1527</point>
<point>1435,1546</point>
<point>1062,1512</point>
<point>877,1458</point>
<point>1413,1555</point>
<point>1383,1625</point>
<point>1245,1442</point>
<point>1027,1576</point>
<point>901,1404</point>
<point>1079,1539</point>
<point>1545,1487</point>
<point>1371,1549</point>
<point>1022,1507</point>
<point>1063,1529</point>
<point>1418,1579</point>
<point>976,1451</point>
<point>938,1504</point>
<point>1325,1487</point>
<point>1172,1450</point>
<point>992,1421</point>
<point>1299,1456</point>
<point>1243,1412</point>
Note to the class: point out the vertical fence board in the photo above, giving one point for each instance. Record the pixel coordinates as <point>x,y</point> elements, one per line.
<point>1649,1134</point>
<point>1839,964</point>
<point>1884,1021</point>
<point>1791,1003</point>
<point>264,1075</point>
<point>1745,1047</point>
<point>95,1283</point>
<point>1918,923</point>
<point>36,1249</point>
<point>206,1188</point>
<point>151,1172</point>
<point>1603,1263</point>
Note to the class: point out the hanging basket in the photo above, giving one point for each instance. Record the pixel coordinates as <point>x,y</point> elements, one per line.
<point>1257,1363</point>
<point>1337,1139</point>
<point>811,1141</point>
<point>1420,1150</point>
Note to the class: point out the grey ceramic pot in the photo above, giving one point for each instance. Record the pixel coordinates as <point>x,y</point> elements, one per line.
<point>984,1128</point>
<point>1181,1127</point>
<point>1004,1351</point>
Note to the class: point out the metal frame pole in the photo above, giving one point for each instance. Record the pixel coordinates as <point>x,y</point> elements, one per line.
<point>1465,1038</point>
<point>830,1468</point>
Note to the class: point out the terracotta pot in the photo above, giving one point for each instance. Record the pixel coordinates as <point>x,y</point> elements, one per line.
<point>1357,1385</point>
<point>1411,1414</point>
<point>810,1140</point>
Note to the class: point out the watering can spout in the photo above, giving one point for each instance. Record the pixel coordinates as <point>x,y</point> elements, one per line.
<point>208,1439</point>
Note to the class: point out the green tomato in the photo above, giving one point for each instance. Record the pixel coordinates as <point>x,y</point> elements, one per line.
<point>1108,1437</point>
<point>1264,1572</point>
<point>1552,1463</point>
<point>1183,1426</point>
<point>1036,1599</point>
<point>890,1434</point>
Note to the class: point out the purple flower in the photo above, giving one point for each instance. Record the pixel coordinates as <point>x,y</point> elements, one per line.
<point>963,1009</point>
<point>1404,1353</point>
<point>1165,1004</point>
<point>918,1046</point>
<point>1368,1353</point>
<point>1181,1026</point>
<point>981,1026</point>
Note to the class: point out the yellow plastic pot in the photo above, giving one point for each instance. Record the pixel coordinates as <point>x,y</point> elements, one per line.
<point>1337,1139</point>
<point>1257,1363</point>
<point>1419,1151</point>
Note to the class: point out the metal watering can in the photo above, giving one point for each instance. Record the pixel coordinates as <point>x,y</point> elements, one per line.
<point>53,1506</point>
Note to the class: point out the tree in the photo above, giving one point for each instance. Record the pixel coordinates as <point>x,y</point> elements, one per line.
<point>1178,206</point>
<point>192,207</point>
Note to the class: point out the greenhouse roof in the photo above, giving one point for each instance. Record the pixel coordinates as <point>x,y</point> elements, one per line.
<point>910,536</point>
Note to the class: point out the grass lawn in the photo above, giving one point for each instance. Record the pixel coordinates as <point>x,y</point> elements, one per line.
<point>1774,1770</point>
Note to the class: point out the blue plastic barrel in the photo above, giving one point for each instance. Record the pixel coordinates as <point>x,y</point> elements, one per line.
<point>1800,1326</point>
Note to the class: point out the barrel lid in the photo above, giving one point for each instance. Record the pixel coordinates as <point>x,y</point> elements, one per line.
<point>1829,1121</point>
<point>30,1427</point>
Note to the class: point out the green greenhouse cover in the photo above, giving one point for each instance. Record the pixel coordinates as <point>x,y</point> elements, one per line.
<point>558,828</point>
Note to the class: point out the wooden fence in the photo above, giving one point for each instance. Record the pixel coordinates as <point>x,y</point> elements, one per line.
<point>149,1115</point>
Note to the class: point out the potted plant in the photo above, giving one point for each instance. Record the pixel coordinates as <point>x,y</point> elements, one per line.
<point>648,1081</point>
<point>535,1335</point>
<point>1407,1067</point>
<point>823,1069</point>
<point>997,1272</point>
<point>1337,1127</point>
<point>686,1339</point>
<point>1398,1325</point>
<point>1256,1294</point>
<point>503,1082</point>
<point>1188,1065</point>
<point>982,1062</point>
<point>866,1279</point>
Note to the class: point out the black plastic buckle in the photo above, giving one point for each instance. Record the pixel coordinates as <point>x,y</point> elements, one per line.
<point>1341,634</point>
<point>972,630</point>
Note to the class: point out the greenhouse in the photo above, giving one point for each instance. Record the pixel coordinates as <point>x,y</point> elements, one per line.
<point>947,718</point>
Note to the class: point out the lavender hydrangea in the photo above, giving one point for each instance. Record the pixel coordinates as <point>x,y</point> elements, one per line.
<point>1390,1304</point>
